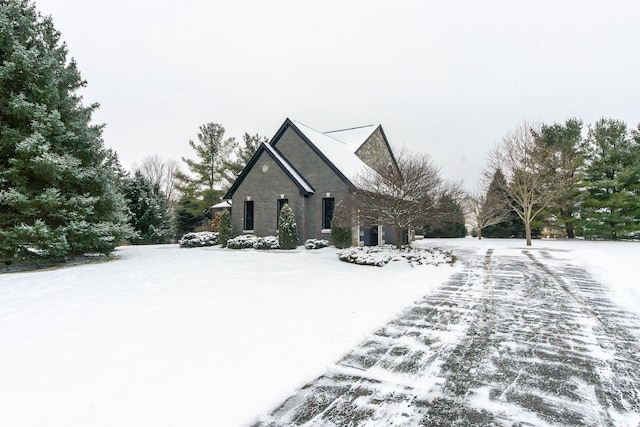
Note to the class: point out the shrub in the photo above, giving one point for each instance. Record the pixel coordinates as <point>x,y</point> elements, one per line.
<point>316,243</point>
<point>287,229</point>
<point>244,241</point>
<point>225,228</point>
<point>194,240</point>
<point>380,255</point>
<point>369,256</point>
<point>266,243</point>
<point>249,241</point>
<point>341,227</point>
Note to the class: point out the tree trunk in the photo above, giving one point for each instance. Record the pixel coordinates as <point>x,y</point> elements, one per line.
<point>568,228</point>
<point>479,233</point>
<point>398,238</point>
<point>527,230</point>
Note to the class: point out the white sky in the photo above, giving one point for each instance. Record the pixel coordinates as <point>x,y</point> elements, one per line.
<point>445,78</point>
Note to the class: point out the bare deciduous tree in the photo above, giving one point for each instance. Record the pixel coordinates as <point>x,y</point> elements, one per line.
<point>530,184</point>
<point>162,173</point>
<point>402,196</point>
<point>486,210</point>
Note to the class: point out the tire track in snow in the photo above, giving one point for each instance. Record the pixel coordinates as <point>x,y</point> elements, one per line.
<point>510,340</point>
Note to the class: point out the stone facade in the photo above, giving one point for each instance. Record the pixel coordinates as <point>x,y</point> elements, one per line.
<point>375,152</point>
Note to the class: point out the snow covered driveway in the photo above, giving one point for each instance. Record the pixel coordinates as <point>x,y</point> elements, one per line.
<point>519,337</point>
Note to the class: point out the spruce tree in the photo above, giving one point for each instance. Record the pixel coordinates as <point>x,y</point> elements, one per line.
<point>512,226</point>
<point>610,205</point>
<point>58,194</point>
<point>446,219</point>
<point>150,215</point>
<point>287,229</point>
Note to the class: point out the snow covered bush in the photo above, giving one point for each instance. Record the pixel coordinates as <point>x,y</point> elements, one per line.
<point>267,242</point>
<point>196,240</point>
<point>249,241</point>
<point>380,255</point>
<point>365,256</point>
<point>287,229</point>
<point>244,241</point>
<point>316,243</point>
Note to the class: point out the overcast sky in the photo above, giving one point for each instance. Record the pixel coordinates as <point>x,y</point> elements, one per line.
<point>445,78</point>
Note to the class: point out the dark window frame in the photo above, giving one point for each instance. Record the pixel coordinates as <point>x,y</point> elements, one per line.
<point>328,206</point>
<point>248,215</point>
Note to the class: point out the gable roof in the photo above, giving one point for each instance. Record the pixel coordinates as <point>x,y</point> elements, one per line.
<point>337,149</point>
<point>353,137</point>
<point>304,187</point>
<point>338,155</point>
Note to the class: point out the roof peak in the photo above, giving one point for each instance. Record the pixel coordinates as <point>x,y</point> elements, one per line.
<point>352,128</point>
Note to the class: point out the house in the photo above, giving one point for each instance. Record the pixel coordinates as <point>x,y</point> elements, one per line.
<point>310,171</point>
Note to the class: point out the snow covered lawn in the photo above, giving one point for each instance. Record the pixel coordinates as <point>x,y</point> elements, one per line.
<point>207,336</point>
<point>186,337</point>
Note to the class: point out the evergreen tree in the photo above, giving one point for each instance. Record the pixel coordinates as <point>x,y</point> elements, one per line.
<point>207,178</point>
<point>611,206</point>
<point>150,216</point>
<point>341,234</point>
<point>59,195</point>
<point>225,228</point>
<point>245,152</point>
<point>565,141</point>
<point>287,229</point>
<point>446,220</point>
<point>511,226</point>
<point>189,215</point>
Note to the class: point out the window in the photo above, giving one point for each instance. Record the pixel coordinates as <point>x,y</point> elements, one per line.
<point>327,212</point>
<point>281,203</point>
<point>248,215</point>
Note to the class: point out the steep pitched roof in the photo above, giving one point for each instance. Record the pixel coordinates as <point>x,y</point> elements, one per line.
<point>337,154</point>
<point>336,148</point>
<point>305,188</point>
<point>353,137</point>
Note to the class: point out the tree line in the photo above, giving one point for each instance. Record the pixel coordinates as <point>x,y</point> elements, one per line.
<point>563,178</point>
<point>63,193</point>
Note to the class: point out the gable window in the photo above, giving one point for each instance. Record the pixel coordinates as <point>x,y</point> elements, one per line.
<point>281,203</point>
<point>248,215</point>
<point>327,212</point>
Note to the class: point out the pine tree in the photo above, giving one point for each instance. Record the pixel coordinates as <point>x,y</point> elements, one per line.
<point>150,216</point>
<point>59,195</point>
<point>611,206</point>
<point>207,180</point>
<point>341,234</point>
<point>245,152</point>
<point>287,229</point>
<point>564,140</point>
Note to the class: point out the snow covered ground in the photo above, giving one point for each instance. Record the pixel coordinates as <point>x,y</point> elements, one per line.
<point>206,336</point>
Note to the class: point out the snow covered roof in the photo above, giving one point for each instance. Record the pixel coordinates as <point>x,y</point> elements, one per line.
<point>339,153</point>
<point>353,137</point>
<point>222,205</point>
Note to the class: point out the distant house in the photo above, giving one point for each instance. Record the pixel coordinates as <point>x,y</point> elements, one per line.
<point>310,171</point>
